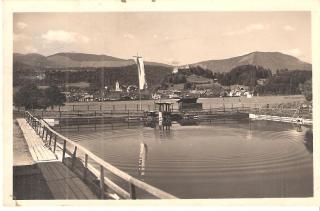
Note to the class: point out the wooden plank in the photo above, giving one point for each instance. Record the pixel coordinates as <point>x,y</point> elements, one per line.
<point>65,171</point>
<point>74,188</point>
<point>56,192</point>
<point>63,188</point>
<point>84,189</point>
<point>55,173</point>
<point>45,172</point>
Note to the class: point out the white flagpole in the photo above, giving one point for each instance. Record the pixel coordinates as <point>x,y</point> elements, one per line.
<point>138,67</point>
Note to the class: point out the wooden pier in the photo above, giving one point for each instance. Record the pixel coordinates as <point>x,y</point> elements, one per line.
<point>80,171</point>
<point>62,182</point>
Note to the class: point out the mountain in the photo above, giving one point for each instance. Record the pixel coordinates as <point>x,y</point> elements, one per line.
<point>268,60</point>
<point>72,60</point>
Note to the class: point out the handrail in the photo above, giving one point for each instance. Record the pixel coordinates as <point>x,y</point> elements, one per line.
<point>133,181</point>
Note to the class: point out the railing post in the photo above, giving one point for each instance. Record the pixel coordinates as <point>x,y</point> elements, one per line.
<point>85,167</point>
<point>42,132</point>
<point>64,150</point>
<point>101,182</point>
<point>50,137</point>
<point>55,143</point>
<point>132,189</point>
<point>47,135</point>
<point>74,155</point>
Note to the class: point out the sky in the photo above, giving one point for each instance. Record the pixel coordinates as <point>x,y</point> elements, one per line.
<point>169,37</point>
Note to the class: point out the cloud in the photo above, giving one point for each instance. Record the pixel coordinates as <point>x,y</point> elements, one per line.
<point>293,52</point>
<point>64,36</point>
<point>247,29</point>
<point>21,25</point>
<point>289,28</point>
<point>30,49</point>
<point>19,37</point>
<point>128,36</point>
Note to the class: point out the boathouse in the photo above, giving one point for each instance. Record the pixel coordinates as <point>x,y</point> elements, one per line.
<point>189,104</point>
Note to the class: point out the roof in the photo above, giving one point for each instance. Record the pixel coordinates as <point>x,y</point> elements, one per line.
<point>188,100</point>
<point>163,103</point>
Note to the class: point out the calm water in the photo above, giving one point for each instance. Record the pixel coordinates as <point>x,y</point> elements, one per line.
<point>257,159</point>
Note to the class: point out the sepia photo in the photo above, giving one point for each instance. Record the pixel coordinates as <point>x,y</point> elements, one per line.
<point>114,105</point>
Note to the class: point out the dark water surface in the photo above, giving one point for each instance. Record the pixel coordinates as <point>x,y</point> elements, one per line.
<point>257,159</point>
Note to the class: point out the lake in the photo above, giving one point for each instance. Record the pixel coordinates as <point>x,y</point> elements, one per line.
<point>245,159</point>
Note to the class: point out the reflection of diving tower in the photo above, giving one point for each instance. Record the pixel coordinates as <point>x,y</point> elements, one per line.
<point>142,158</point>
<point>118,89</point>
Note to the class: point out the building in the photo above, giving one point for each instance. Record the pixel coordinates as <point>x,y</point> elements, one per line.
<point>189,103</point>
<point>118,89</point>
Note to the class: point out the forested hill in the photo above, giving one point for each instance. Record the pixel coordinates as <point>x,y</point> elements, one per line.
<point>74,60</point>
<point>268,60</point>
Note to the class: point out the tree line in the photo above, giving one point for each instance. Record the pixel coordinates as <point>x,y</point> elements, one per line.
<point>30,96</point>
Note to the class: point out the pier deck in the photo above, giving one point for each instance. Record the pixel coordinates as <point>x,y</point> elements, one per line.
<point>62,182</point>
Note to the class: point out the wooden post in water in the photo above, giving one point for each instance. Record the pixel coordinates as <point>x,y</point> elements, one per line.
<point>132,189</point>
<point>101,182</point>
<point>72,107</point>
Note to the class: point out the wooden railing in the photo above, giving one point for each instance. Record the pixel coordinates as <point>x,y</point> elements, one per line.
<point>55,140</point>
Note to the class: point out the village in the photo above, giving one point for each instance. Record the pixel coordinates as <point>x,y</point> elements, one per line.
<point>199,88</point>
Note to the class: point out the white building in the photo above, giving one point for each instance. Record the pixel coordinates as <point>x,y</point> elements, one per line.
<point>118,89</point>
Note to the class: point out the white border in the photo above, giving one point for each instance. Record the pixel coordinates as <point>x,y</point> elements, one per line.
<point>11,6</point>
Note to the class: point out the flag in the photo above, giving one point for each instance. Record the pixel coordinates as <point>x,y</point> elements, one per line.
<point>141,73</point>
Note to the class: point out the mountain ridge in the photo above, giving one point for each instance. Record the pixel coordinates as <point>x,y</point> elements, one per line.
<point>269,60</point>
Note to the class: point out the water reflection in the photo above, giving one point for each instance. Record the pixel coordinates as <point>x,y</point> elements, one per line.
<point>142,158</point>
<point>308,140</point>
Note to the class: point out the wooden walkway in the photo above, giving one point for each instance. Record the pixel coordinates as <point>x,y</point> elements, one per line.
<point>37,148</point>
<point>62,182</point>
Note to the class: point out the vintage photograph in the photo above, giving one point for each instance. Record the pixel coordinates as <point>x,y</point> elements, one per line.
<point>162,105</point>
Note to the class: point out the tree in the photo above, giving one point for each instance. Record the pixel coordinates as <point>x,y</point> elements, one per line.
<point>53,96</point>
<point>307,90</point>
<point>29,96</point>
